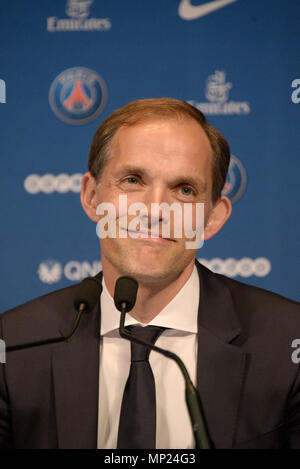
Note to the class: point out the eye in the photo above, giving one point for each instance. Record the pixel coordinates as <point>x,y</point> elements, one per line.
<point>131,180</point>
<point>186,190</point>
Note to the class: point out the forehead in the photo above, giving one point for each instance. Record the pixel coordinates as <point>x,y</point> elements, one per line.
<point>165,138</point>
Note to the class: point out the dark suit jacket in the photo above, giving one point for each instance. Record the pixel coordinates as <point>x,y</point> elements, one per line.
<point>248,384</point>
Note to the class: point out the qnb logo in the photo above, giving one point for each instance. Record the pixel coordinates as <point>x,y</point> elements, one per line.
<point>51,271</point>
<point>2,91</point>
<point>49,183</point>
<point>296,93</point>
<point>78,95</point>
<point>245,267</point>
<point>236,181</point>
<point>78,12</point>
<point>217,95</point>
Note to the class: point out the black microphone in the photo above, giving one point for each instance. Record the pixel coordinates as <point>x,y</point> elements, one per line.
<point>86,298</point>
<point>125,297</point>
<point>125,293</point>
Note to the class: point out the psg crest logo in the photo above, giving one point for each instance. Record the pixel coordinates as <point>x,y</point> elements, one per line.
<point>236,181</point>
<point>78,95</point>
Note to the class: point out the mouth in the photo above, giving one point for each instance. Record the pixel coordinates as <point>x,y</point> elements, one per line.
<point>148,236</point>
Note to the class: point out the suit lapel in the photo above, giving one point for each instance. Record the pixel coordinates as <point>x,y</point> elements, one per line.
<point>75,366</point>
<point>220,365</point>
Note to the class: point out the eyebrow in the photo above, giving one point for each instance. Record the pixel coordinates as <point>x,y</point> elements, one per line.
<point>182,179</point>
<point>130,169</point>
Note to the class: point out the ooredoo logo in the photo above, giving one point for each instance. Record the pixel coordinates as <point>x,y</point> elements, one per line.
<point>236,181</point>
<point>52,271</point>
<point>245,267</point>
<point>78,95</point>
<point>49,183</point>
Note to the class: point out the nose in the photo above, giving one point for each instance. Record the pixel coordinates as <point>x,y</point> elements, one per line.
<point>156,194</point>
<point>153,197</point>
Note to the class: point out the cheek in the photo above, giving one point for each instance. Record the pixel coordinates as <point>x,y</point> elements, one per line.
<point>196,215</point>
<point>207,212</point>
<point>117,198</point>
<point>105,196</point>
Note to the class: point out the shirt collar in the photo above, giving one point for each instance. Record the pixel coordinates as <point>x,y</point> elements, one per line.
<point>180,314</point>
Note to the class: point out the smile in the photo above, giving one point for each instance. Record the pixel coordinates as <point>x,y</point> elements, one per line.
<point>146,236</point>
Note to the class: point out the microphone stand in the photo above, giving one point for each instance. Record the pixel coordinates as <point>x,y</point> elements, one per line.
<point>192,398</point>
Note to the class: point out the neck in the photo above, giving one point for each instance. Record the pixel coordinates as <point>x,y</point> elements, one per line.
<point>152,297</point>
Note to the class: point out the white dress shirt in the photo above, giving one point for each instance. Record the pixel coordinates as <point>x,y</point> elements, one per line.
<point>173,428</point>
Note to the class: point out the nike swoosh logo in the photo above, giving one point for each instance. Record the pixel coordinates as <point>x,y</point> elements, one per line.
<point>187,11</point>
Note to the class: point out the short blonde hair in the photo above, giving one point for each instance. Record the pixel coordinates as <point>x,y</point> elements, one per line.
<point>142,110</point>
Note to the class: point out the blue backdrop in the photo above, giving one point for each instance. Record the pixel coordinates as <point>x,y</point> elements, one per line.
<point>66,65</point>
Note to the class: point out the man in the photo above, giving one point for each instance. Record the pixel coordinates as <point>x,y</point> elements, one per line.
<point>234,339</point>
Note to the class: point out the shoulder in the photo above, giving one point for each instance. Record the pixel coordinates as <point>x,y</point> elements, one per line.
<point>40,316</point>
<point>258,297</point>
<point>254,306</point>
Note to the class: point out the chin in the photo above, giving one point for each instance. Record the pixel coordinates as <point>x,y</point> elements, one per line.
<point>147,272</point>
<point>150,273</point>
<point>147,265</point>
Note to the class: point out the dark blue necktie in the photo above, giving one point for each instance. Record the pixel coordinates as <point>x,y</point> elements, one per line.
<point>137,426</point>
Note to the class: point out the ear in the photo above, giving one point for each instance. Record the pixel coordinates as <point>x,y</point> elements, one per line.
<point>219,215</point>
<point>88,196</point>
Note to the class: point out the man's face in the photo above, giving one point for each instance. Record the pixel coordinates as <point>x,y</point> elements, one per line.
<point>155,161</point>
